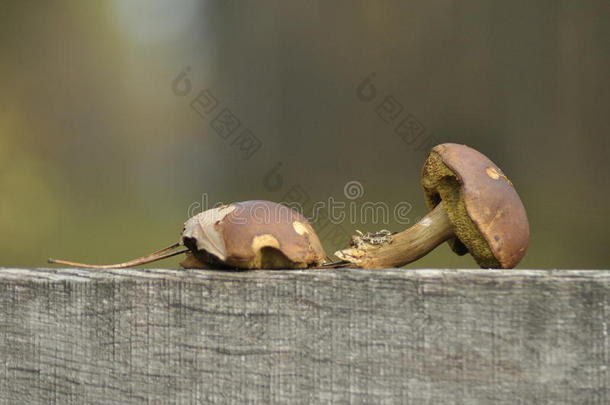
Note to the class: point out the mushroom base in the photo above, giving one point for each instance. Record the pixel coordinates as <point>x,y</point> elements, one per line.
<point>403,247</point>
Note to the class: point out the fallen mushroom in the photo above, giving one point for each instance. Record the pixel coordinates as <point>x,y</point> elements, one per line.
<point>474,207</point>
<point>244,235</point>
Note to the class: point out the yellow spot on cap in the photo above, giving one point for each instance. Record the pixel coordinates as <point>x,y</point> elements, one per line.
<point>495,174</point>
<point>300,228</point>
<point>265,240</point>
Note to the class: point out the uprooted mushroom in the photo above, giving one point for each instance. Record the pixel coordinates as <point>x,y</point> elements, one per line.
<point>243,235</point>
<point>474,207</point>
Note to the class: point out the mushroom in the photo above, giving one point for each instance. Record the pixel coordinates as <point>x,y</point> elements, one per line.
<point>251,234</point>
<point>474,207</point>
<point>243,235</point>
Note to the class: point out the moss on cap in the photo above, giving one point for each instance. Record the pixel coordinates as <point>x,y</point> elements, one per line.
<point>489,219</point>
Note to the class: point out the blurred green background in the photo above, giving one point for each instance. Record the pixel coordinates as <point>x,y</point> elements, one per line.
<point>102,152</point>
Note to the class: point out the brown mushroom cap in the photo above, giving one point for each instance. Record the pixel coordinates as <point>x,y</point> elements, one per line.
<point>252,234</point>
<point>489,219</point>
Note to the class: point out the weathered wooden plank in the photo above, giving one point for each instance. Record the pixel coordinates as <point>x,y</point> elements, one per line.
<point>382,336</point>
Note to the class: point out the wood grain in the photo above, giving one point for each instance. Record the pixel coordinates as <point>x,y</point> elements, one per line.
<point>75,336</point>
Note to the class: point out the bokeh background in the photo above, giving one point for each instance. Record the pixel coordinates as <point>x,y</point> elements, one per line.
<point>104,153</point>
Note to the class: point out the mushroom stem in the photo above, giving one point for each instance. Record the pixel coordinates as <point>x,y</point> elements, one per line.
<point>153,257</point>
<point>404,247</point>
